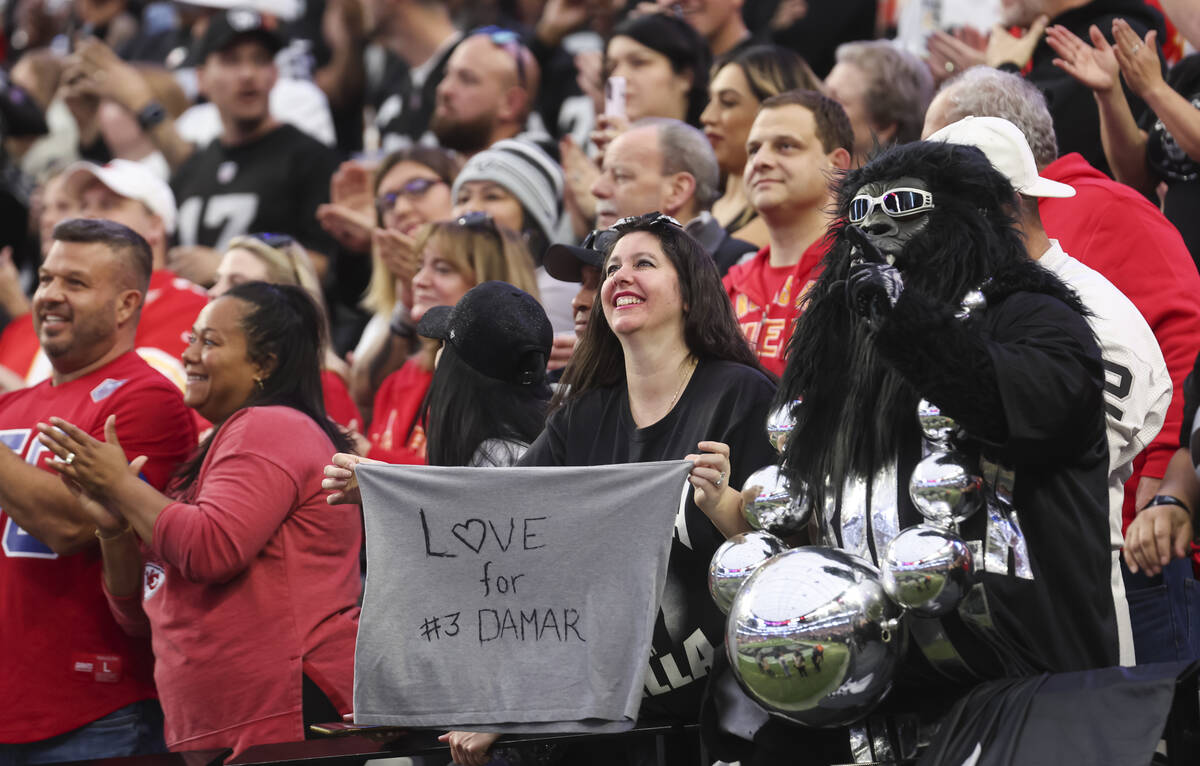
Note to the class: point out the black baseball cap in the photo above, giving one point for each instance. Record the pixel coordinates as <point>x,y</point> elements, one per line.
<point>227,26</point>
<point>564,262</point>
<point>500,330</point>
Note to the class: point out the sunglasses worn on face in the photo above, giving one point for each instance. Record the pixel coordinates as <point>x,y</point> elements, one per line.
<point>509,41</point>
<point>897,203</point>
<point>413,190</point>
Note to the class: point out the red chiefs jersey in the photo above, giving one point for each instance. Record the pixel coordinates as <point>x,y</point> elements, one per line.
<point>172,305</point>
<point>66,662</point>
<point>395,435</point>
<point>766,300</point>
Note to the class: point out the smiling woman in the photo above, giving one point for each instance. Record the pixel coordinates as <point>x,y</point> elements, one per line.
<point>663,372</point>
<point>242,560</point>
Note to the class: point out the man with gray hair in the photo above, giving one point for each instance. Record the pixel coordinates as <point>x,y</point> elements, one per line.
<point>1103,226</point>
<point>884,91</point>
<point>669,166</point>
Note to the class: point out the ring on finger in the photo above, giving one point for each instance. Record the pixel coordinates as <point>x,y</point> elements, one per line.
<point>720,480</point>
<point>70,458</point>
<point>949,66</point>
<point>1133,51</point>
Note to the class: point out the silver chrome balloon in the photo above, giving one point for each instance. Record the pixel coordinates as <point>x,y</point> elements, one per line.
<point>945,488</point>
<point>813,637</point>
<point>936,427</point>
<point>972,302</point>
<point>736,560</point>
<point>927,570</point>
<point>780,423</point>
<point>775,508</point>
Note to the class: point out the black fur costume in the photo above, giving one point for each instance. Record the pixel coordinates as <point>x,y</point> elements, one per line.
<point>850,383</point>
<point>1031,348</point>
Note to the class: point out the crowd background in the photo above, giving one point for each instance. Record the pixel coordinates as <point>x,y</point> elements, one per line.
<point>387,156</point>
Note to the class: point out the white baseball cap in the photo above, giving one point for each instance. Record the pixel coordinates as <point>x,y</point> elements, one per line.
<point>1008,151</point>
<point>129,179</point>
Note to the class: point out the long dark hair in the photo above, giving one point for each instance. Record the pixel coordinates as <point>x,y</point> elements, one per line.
<point>285,334</point>
<point>465,408</point>
<point>710,329</point>
<point>682,45</point>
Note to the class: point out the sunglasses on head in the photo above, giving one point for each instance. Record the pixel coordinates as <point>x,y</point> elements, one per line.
<point>477,220</point>
<point>897,203</point>
<point>414,189</point>
<point>599,240</point>
<point>271,239</point>
<point>509,41</point>
<point>648,219</point>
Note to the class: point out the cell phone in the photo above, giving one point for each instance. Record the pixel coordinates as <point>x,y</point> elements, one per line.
<point>614,97</point>
<point>342,729</point>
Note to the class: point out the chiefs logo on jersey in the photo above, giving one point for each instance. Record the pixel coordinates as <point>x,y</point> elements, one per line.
<point>153,577</point>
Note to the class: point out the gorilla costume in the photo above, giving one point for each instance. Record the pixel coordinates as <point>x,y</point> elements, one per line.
<point>1020,374</point>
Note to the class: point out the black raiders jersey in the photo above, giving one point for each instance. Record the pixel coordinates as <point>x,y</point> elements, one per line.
<point>272,184</point>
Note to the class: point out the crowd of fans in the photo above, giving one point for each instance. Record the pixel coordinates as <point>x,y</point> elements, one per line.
<point>487,233</point>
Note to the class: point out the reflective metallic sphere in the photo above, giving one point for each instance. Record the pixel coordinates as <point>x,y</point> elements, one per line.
<point>813,637</point>
<point>945,488</point>
<point>775,508</point>
<point>937,427</point>
<point>927,570</point>
<point>974,301</point>
<point>736,560</point>
<point>780,424</point>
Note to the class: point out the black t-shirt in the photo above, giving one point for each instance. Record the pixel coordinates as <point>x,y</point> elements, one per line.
<point>272,184</point>
<point>403,107</point>
<point>1168,162</point>
<point>725,402</point>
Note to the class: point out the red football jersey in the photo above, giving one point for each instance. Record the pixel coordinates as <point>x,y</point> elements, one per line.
<point>66,662</point>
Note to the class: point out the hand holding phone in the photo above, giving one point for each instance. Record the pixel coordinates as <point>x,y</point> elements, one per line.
<point>614,97</point>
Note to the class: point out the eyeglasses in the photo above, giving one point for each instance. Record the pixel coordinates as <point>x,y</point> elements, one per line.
<point>413,190</point>
<point>509,41</point>
<point>897,203</point>
<point>648,219</point>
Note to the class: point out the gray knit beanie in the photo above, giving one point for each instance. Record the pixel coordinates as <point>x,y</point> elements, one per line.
<point>528,173</point>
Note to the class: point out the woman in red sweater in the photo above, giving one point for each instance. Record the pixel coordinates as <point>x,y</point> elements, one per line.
<point>245,578</point>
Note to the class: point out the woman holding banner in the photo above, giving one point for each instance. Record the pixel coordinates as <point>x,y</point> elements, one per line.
<point>664,372</point>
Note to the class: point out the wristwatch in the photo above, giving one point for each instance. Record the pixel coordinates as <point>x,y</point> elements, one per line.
<point>151,115</point>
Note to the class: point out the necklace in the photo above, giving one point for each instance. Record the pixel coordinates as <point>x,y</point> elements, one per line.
<point>688,366</point>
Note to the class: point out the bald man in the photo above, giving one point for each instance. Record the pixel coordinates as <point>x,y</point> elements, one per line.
<point>487,92</point>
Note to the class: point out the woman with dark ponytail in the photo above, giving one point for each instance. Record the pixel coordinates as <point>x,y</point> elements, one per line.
<point>241,571</point>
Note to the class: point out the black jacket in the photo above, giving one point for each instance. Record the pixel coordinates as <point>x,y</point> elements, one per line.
<point>1072,105</point>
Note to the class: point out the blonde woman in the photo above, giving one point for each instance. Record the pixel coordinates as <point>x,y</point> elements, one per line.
<point>453,257</point>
